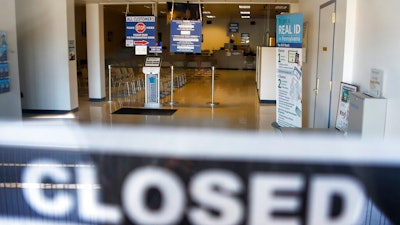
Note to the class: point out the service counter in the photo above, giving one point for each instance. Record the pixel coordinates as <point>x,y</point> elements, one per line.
<point>233,59</point>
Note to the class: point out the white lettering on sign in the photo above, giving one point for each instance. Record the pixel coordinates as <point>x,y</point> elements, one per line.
<point>324,188</point>
<point>63,203</point>
<point>59,204</point>
<point>272,198</point>
<point>288,29</point>
<point>216,190</point>
<point>264,201</point>
<point>137,185</point>
<point>88,198</point>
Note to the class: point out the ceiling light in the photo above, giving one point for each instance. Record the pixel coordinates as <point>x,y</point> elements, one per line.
<point>206,12</point>
<point>245,17</point>
<point>210,17</point>
<point>244,6</point>
<point>244,12</point>
<point>281,7</point>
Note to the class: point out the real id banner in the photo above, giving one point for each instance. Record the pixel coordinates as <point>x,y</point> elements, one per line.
<point>289,30</point>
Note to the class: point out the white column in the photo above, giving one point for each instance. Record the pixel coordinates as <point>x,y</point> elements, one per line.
<point>95,51</point>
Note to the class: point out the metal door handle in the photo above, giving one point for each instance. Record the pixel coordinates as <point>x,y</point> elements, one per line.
<point>317,87</point>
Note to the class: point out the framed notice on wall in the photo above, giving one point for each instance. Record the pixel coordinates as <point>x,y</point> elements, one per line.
<point>344,104</point>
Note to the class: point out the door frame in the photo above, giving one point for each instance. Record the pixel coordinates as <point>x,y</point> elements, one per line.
<point>316,89</point>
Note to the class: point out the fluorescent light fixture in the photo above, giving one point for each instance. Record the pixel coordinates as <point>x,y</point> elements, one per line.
<point>244,12</point>
<point>210,17</point>
<point>206,12</point>
<point>281,7</point>
<point>244,6</point>
<point>245,17</point>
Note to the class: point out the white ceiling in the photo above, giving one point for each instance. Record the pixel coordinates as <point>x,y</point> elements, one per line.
<point>218,8</point>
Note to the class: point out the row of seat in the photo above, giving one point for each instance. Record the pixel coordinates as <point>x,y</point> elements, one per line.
<point>126,82</point>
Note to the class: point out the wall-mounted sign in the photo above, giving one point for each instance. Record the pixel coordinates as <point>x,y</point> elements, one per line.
<point>245,38</point>
<point>186,36</point>
<point>4,79</point>
<point>71,50</point>
<point>4,84</point>
<point>4,69</point>
<point>289,30</point>
<point>233,28</point>
<point>140,30</point>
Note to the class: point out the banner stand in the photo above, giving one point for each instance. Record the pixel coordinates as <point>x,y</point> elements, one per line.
<point>289,54</point>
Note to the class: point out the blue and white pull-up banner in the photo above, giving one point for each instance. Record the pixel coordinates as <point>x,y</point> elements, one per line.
<point>289,33</point>
<point>186,36</point>
<point>140,30</point>
<point>289,30</point>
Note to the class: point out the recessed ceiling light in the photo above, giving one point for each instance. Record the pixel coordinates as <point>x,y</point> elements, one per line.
<point>244,12</point>
<point>281,7</point>
<point>244,6</point>
<point>210,17</point>
<point>245,17</point>
<point>206,12</point>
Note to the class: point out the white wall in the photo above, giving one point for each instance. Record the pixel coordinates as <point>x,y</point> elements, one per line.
<point>10,102</point>
<point>377,45</point>
<point>367,36</point>
<point>47,81</point>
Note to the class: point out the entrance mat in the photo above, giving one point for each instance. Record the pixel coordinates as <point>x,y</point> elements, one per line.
<point>145,111</point>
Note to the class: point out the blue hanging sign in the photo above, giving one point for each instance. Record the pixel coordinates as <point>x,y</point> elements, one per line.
<point>289,30</point>
<point>186,36</point>
<point>140,30</point>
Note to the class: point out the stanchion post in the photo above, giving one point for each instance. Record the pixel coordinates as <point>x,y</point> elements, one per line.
<point>212,103</point>
<point>212,85</point>
<point>172,103</point>
<point>172,84</point>
<point>109,83</point>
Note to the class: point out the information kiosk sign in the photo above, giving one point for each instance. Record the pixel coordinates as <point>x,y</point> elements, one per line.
<point>151,70</point>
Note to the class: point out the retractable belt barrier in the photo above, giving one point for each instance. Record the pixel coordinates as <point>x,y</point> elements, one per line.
<point>154,175</point>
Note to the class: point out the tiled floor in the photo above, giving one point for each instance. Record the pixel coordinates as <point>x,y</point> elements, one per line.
<point>235,91</point>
